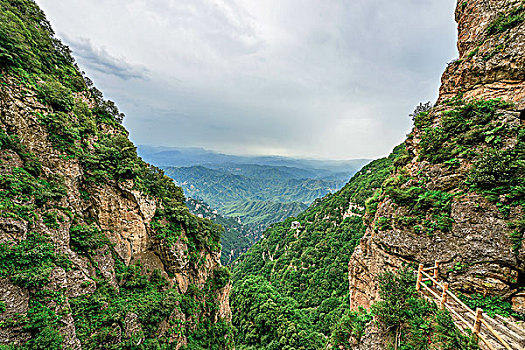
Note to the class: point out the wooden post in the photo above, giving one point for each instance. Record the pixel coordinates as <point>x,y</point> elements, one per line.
<point>419,277</point>
<point>436,270</point>
<point>477,322</point>
<point>444,296</point>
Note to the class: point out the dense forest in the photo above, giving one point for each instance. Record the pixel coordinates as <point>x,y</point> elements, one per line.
<point>236,237</point>
<point>70,278</point>
<point>304,269</point>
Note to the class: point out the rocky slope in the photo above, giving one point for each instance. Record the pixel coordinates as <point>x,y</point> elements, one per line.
<point>97,249</point>
<point>459,196</point>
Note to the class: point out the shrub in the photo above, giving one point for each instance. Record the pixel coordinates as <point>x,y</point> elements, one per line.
<point>42,324</point>
<point>57,96</point>
<point>221,277</point>
<point>495,168</point>
<point>351,325</point>
<point>62,132</point>
<point>491,305</point>
<point>29,263</point>
<point>448,336</point>
<point>506,21</point>
<point>86,239</point>
<point>421,115</point>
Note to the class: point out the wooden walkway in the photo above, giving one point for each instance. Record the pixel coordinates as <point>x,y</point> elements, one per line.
<point>492,333</point>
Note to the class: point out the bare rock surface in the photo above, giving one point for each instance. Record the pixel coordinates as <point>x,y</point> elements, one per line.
<point>476,254</point>
<point>120,211</point>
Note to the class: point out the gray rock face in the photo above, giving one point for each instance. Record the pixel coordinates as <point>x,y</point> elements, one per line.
<point>122,213</point>
<point>476,254</point>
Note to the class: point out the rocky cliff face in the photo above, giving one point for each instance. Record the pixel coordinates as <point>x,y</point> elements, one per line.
<point>457,194</point>
<point>491,60</point>
<point>96,247</point>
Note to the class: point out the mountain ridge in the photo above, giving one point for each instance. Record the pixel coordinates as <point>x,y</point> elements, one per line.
<point>188,156</point>
<point>97,249</point>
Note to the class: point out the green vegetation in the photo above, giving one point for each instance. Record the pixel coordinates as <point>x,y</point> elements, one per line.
<point>429,209</point>
<point>409,320</point>
<point>517,235</point>
<point>307,269</point>
<point>86,239</point>
<point>259,195</point>
<point>476,133</point>
<point>465,126</point>
<point>42,323</point>
<point>236,238</point>
<point>31,199</point>
<point>57,96</point>
<point>309,265</point>
<point>218,187</point>
<point>491,305</point>
<point>262,213</point>
<point>506,21</point>
<point>28,45</point>
<point>290,289</point>
<point>100,318</point>
<point>18,262</point>
<point>473,131</point>
<point>264,319</point>
<point>351,325</point>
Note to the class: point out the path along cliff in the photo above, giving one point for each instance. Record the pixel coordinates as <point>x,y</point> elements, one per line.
<point>457,194</point>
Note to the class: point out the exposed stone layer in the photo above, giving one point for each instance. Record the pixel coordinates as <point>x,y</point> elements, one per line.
<point>123,213</point>
<point>489,65</point>
<point>476,255</point>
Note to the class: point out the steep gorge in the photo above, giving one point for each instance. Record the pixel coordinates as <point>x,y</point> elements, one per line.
<point>98,250</point>
<point>458,198</point>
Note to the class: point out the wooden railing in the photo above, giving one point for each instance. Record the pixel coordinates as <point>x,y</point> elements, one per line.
<point>479,317</point>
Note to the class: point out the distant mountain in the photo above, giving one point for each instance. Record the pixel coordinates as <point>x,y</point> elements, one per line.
<point>223,187</point>
<point>190,156</point>
<point>263,212</point>
<point>247,194</point>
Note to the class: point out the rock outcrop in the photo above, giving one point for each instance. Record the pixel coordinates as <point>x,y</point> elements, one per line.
<point>491,44</point>
<point>436,207</point>
<point>96,246</point>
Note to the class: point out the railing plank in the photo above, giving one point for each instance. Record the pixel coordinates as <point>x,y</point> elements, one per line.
<point>430,278</point>
<point>480,319</point>
<point>430,290</point>
<point>461,303</point>
<point>469,326</point>
<point>496,334</point>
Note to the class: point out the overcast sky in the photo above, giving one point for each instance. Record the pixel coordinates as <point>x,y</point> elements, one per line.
<point>331,79</point>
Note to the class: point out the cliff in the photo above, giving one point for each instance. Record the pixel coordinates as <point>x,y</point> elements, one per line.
<point>97,249</point>
<point>457,194</point>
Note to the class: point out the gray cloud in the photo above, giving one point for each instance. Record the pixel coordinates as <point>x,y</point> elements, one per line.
<point>328,79</point>
<point>100,60</point>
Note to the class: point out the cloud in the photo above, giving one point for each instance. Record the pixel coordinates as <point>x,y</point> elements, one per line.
<point>327,79</point>
<point>100,60</point>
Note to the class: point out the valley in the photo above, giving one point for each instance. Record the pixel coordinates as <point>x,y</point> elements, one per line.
<point>109,245</point>
<point>237,236</point>
<point>247,194</point>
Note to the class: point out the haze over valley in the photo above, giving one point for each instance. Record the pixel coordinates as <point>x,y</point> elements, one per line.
<point>291,188</point>
<point>254,191</point>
